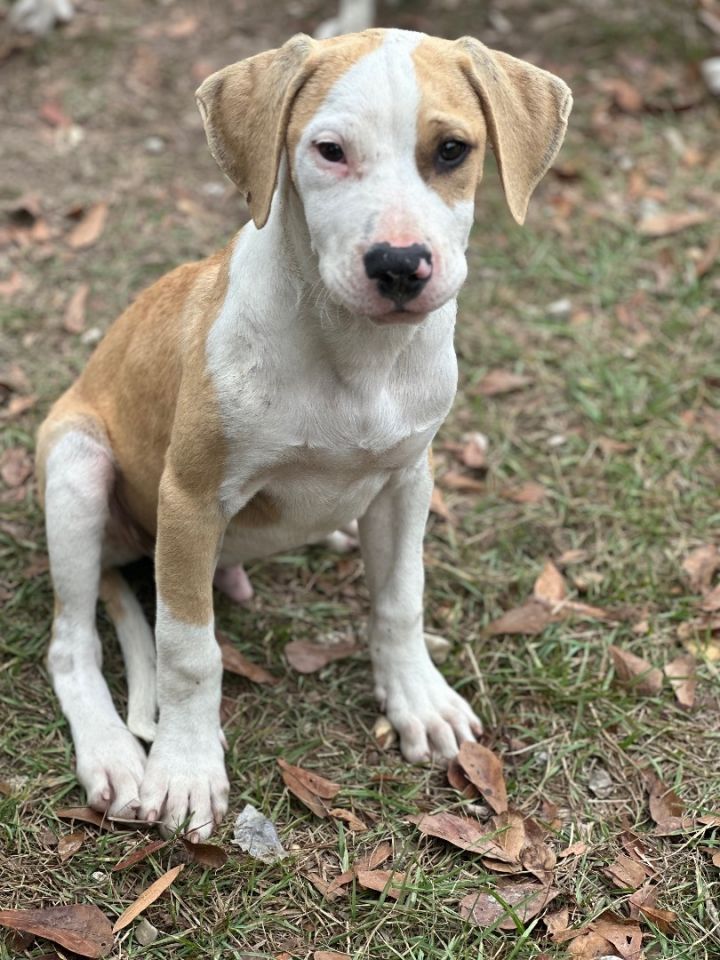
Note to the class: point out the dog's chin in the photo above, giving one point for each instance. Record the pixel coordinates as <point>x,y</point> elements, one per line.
<point>398,317</point>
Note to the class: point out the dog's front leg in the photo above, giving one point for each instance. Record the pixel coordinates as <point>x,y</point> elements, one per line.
<point>185,780</point>
<point>431,719</point>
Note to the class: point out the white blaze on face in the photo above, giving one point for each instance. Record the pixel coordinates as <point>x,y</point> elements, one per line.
<point>376,199</point>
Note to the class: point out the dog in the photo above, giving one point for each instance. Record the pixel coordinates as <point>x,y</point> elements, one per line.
<point>285,386</point>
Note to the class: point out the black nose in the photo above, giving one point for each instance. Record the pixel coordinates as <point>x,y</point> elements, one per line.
<point>401,272</point>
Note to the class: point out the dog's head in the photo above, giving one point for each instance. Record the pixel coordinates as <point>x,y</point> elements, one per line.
<point>385,134</point>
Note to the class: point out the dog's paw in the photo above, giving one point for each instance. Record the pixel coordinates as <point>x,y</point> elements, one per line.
<point>185,784</point>
<point>430,718</point>
<point>110,766</point>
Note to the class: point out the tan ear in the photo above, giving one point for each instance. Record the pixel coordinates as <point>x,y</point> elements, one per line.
<point>245,108</point>
<point>526,110</point>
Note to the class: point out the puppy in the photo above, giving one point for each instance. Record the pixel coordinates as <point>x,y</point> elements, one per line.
<point>280,389</point>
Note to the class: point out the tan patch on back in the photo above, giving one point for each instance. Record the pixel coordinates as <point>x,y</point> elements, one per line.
<point>328,63</point>
<point>448,110</point>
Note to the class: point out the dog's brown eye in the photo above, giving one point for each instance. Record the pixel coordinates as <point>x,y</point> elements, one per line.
<point>451,152</point>
<point>332,152</point>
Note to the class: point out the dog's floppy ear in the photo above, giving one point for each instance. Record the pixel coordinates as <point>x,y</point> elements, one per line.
<point>245,109</point>
<point>526,110</point>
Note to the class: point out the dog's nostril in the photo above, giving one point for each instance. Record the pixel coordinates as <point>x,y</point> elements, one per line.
<point>400,272</point>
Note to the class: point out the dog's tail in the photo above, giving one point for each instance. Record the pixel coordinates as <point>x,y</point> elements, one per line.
<point>138,649</point>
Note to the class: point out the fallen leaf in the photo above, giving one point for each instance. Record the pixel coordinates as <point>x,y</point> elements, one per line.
<point>310,788</point>
<point>139,853</point>
<point>438,505</point>
<point>636,673</point>
<point>576,849</point>
<point>626,873</point>
<point>530,492</point>
<point>347,816</point>
<point>80,927</point>
<point>53,114</point>
<point>569,557</point>
<point>69,844</point>
<point>484,770</point>
<point>529,619</point>
<point>464,833</point>
<point>666,224</point>
<point>74,319</point>
<point>716,859</point>
<point>497,382</point>
<point>666,807</point>
<point>610,446</point>
<point>206,854</point>
<point>13,285</point>
<point>14,378</point>
<point>681,674</point>
<point>379,880</point>
<point>625,96</point>
<point>368,862</point>
<point>88,231</point>
<point>307,657</point>
<point>257,836</point>
<point>700,566</point>
<point>179,29</point>
<point>709,257</point>
<point>624,935</point>
<point>461,482</point>
<point>550,585</point>
<point>474,451</point>
<point>486,908</point>
<point>235,662</point>
<point>458,779</point>
<point>711,601</point>
<point>85,815</point>
<point>557,920</point>
<point>15,466</point>
<point>644,901</point>
<point>330,955</point>
<point>589,946</point>
<point>18,406</point>
<point>147,897</point>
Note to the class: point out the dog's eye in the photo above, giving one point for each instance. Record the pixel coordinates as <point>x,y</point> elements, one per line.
<point>451,153</point>
<point>332,152</point>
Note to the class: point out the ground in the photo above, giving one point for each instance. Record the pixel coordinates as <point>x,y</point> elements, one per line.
<point>616,330</point>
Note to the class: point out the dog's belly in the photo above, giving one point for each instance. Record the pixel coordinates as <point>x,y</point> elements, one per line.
<point>294,512</point>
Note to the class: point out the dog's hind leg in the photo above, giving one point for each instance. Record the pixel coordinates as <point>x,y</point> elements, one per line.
<point>79,475</point>
<point>138,649</point>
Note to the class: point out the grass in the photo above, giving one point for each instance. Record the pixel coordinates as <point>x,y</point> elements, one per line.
<point>550,705</point>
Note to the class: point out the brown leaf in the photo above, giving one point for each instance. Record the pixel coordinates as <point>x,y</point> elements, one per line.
<point>666,807</point>
<point>454,480</point>
<point>206,854</point>
<point>484,769</point>
<point>74,320</point>
<point>526,899</point>
<point>139,853</point>
<point>711,601</point>
<point>11,286</point>
<point>644,901</point>
<point>626,872</point>
<point>69,844</point>
<point>590,945</point>
<point>53,114</point>
<point>438,505</point>
<point>18,406</point>
<point>88,231</point>
<point>330,955</point>
<point>632,671</point>
<point>681,673</point>
<point>310,788</point>
<point>709,257</point>
<point>458,779</point>
<point>179,29</point>
<point>625,96</point>
<point>80,927</point>
<point>379,880</point>
<point>624,935</point>
<point>716,859</point>
<point>474,452</point>
<point>234,662</point>
<point>14,378</point>
<point>147,897</point>
<point>497,382</point>
<point>307,657</point>
<point>464,833</point>
<point>530,619</point>
<point>15,466</point>
<point>368,862</point>
<point>576,849</point>
<point>85,815</point>
<point>666,224</point>
<point>530,492</point>
<point>700,565</point>
<point>550,585</point>
<point>347,816</point>
<point>557,920</point>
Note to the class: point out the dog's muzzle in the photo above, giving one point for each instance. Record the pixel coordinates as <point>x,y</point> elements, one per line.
<point>400,272</point>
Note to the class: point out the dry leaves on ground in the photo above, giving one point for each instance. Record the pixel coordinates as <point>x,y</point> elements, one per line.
<point>16,466</point>
<point>484,770</point>
<point>498,382</point>
<point>139,854</point>
<point>307,657</point>
<point>681,672</point>
<point>369,862</point>
<point>501,905</point>
<point>147,897</point>
<point>74,319</point>
<point>666,224</point>
<point>529,492</point>
<point>89,229</point>
<point>235,662</point>
<point>700,566</point>
<point>666,808</point>
<point>636,673</point>
<point>384,881</point>
<point>438,505</point>
<point>310,788</point>
<point>80,927</point>
<point>208,855</point>
<point>69,844</point>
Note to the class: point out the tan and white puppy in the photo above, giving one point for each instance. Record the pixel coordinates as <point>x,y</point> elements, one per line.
<point>266,396</point>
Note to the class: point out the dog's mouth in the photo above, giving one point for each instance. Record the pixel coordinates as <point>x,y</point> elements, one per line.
<point>400,315</point>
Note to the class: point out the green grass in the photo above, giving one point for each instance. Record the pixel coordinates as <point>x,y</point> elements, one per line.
<point>549,703</point>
